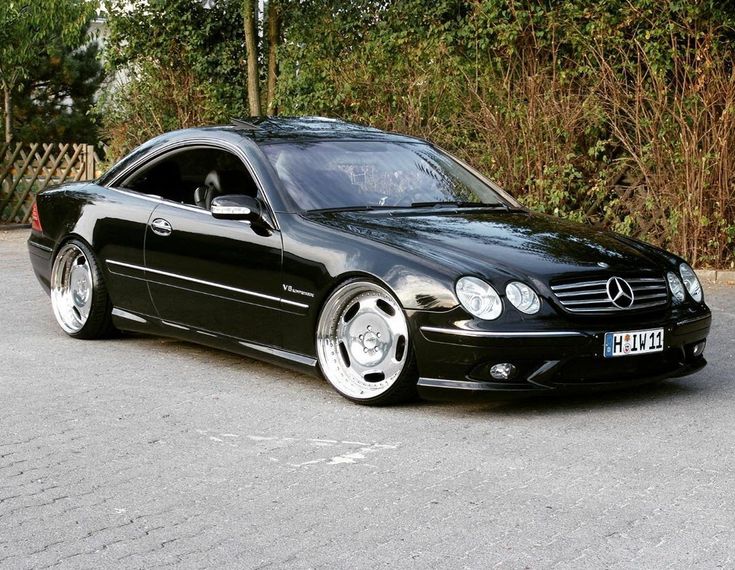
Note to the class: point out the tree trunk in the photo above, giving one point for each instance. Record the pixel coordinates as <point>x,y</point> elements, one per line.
<point>251,46</point>
<point>274,38</point>
<point>8,112</point>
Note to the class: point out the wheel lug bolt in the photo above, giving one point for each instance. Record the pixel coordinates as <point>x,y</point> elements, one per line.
<point>364,349</point>
<point>378,335</point>
<point>360,337</point>
<point>370,328</point>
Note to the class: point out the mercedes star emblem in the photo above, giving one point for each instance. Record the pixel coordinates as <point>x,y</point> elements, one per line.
<point>620,292</point>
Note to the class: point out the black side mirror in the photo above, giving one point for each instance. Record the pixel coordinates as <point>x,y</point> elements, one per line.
<point>236,207</point>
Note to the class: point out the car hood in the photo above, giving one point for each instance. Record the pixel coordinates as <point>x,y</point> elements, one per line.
<point>518,243</point>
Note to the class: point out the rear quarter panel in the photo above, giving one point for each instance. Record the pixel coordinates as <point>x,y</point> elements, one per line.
<point>59,210</point>
<point>112,223</point>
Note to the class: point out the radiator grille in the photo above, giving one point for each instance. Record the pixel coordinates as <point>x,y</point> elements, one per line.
<point>590,296</point>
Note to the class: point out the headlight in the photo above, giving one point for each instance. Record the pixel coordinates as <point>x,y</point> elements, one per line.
<point>522,297</point>
<point>479,298</point>
<point>677,289</point>
<point>691,282</point>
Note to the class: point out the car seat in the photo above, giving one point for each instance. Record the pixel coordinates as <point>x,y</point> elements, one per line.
<point>219,183</point>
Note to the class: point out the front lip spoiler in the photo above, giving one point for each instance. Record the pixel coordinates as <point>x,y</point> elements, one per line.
<point>436,385</point>
<point>500,334</point>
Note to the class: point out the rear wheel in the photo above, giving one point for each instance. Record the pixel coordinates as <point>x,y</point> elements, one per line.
<point>364,347</point>
<point>78,293</point>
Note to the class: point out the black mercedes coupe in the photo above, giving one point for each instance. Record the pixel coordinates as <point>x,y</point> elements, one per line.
<point>374,258</point>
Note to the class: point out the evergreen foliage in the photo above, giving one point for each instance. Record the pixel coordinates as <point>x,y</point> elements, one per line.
<point>35,37</point>
<point>55,102</point>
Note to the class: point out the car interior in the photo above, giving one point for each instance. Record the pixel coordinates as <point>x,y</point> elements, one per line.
<point>194,177</point>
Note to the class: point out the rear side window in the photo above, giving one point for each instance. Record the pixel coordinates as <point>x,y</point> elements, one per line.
<point>193,176</point>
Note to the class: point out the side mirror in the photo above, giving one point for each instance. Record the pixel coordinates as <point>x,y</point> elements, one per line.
<point>236,207</point>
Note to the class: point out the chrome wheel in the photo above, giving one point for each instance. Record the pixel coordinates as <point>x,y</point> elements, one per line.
<point>362,340</point>
<point>71,288</point>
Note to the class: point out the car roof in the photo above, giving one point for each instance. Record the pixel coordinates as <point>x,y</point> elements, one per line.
<point>265,130</point>
<point>257,131</point>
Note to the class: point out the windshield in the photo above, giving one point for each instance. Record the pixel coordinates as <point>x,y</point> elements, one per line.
<point>357,174</point>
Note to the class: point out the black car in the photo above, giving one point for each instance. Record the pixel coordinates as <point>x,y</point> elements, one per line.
<point>374,258</point>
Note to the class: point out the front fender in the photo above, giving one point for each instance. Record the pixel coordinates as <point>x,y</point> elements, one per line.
<point>316,257</point>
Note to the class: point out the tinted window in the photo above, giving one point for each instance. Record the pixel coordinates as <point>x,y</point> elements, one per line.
<point>339,174</point>
<point>193,176</point>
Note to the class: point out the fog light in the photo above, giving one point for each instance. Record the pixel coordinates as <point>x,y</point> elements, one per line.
<point>698,348</point>
<point>502,371</point>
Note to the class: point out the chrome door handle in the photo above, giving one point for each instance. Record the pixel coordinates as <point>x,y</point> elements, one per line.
<point>161,227</point>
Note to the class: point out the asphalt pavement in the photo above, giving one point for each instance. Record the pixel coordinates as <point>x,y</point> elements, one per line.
<point>143,452</point>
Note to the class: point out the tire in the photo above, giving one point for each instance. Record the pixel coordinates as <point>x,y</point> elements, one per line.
<point>79,296</point>
<point>363,345</point>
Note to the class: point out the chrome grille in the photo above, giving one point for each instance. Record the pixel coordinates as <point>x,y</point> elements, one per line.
<point>591,296</point>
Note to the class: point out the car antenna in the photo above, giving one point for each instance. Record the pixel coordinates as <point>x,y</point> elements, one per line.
<point>242,124</point>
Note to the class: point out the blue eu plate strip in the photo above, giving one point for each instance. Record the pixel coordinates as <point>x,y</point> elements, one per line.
<point>608,345</point>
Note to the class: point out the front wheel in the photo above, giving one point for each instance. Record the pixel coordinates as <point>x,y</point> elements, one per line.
<point>364,347</point>
<point>78,293</point>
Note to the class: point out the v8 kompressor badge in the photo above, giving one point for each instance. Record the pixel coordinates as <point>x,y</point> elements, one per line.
<point>291,289</point>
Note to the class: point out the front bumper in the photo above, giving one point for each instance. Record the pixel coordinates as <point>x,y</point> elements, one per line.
<point>455,355</point>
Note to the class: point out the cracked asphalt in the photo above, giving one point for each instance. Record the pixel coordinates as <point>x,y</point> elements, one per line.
<point>146,453</point>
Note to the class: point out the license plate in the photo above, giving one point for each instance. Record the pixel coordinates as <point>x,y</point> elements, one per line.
<point>633,343</point>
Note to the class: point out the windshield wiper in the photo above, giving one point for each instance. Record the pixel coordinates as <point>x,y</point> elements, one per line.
<point>457,204</point>
<point>438,204</point>
<point>353,209</point>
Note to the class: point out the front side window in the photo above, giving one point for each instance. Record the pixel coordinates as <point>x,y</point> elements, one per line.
<point>343,174</point>
<point>193,176</point>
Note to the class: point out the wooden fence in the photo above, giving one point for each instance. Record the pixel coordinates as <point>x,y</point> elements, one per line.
<point>28,168</point>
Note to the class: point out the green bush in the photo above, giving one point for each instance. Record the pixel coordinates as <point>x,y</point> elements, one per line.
<point>173,64</point>
<point>614,112</point>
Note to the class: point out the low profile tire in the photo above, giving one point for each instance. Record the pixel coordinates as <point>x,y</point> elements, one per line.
<point>364,347</point>
<point>78,294</point>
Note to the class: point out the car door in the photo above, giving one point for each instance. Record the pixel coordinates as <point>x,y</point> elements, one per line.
<point>213,275</point>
